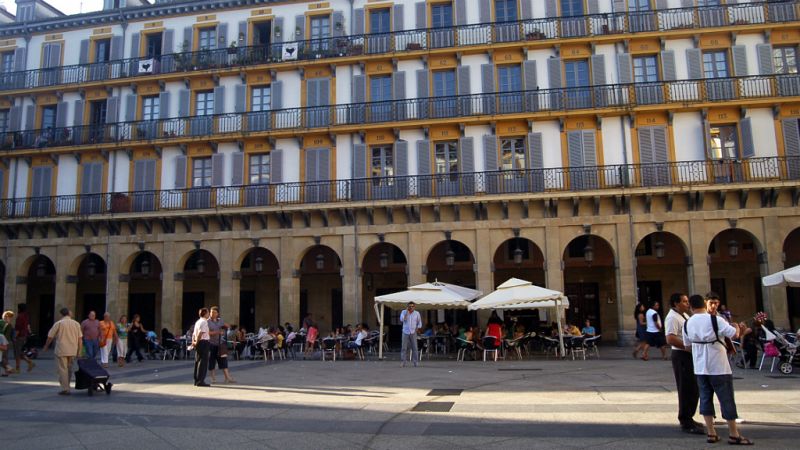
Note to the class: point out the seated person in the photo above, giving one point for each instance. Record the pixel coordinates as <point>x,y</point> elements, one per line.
<point>362,331</point>
<point>572,329</point>
<point>554,330</point>
<point>278,339</point>
<point>588,330</point>
<point>495,330</point>
<point>469,334</point>
<point>166,335</point>
<point>428,330</point>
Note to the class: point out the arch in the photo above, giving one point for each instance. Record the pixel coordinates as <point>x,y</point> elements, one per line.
<point>321,287</point>
<point>90,289</point>
<point>144,287</point>
<point>588,250</point>
<point>308,259</point>
<point>590,283</point>
<point>384,269</point>
<point>791,248</point>
<point>259,288</point>
<point>40,292</point>
<point>735,270</point>
<point>661,268</point>
<point>521,258</point>
<point>200,287</point>
<point>246,262</point>
<point>437,260</point>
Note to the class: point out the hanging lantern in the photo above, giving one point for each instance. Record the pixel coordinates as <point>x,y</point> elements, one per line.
<point>320,262</point>
<point>659,249</point>
<point>41,269</point>
<point>144,268</point>
<point>91,269</point>
<point>733,248</point>
<point>383,261</point>
<point>450,258</point>
<point>588,254</point>
<point>259,264</point>
<point>201,264</point>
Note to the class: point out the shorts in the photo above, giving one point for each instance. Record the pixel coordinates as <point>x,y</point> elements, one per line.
<point>655,339</point>
<point>19,346</point>
<point>215,359</point>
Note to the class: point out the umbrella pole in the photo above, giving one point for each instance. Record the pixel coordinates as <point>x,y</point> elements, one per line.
<point>380,334</point>
<point>560,332</point>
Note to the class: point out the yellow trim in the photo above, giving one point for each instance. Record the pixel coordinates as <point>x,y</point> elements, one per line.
<point>369,7</point>
<point>256,146</point>
<point>511,128</point>
<point>511,56</point>
<point>778,124</point>
<point>201,84</point>
<point>93,46</point>
<point>144,34</point>
<point>39,161</point>
<point>8,43</point>
<point>260,12</point>
<point>788,36</point>
<point>41,52</point>
<point>724,116</point>
<point>443,133</point>
<point>196,35</point>
<point>575,51</point>
<point>379,67</point>
<point>251,27</point>
<point>158,24</point>
<point>312,14</point>
<point>714,41</point>
<point>140,154</point>
<point>379,137</point>
<point>206,18</point>
<point>644,46</point>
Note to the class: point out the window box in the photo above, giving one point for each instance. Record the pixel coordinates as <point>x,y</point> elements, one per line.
<point>120,203</point>
<point>413,46</point>
<point>534,35</point>
<point>357,49</point>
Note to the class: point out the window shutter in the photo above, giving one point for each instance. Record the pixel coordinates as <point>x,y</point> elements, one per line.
<point>526,9</point>
<point>83,57</point>
<point>423,157</point>
<point>791,137</point>
<point>237,167</point>
<point>748,145</point>
<point>660,150</point>
<point>359,88</point>
<point>188,34</point>
<point>625,68</point>
<point>575,148</point>
<point>460,7</point>
<point>592,7</point>
<point>112,110</point>
<point>276,166</point>
<point>554,72</point>
<point>420,10</point>
<point>401,158</point>
<point>15,118</point>
<point>529,75</point>
<point>484,11</point>
<point>86,178</point>
<point>240,103</point>
<point>115,52</point>
<point>276,93</point>
<point>535,151</point>
<point>300,27</point>
<point>668,65</point>
<point>739,60</point>
<point>55,54</point>
<point>462,80</point>
<point>19,59</point>
<point>311,165</point>
<point>619,6</point>
<point>135,45</point>
<point>358,21</point>
<point>467,145</point>
<point>397,13</point>
<point>338,18</point>
<point>323,168</point>
<point>707,138</point>
<point>645,135</point>
<point>61,115</point>
<point>130,108</point>
<point>184,103</point>
<point>490,152</point>
<point>167,45</point>
<point>219,100</point>
<point>150,175</point>
<point>422,83</point>
<point>222,36</point>
<point>180,172</point>
<point>163,105</point>
<point>241,37</point>
<point>40,186</point>
<point>139,175</point>
<point>359,161</point>
<point>589,148</point>
<point>550,9</point>
<point>598,70</point>
<point>694,62</point>
<point>399,85</point>
<point>277,29</point>
<point>30,117</point>
<point>218,169</point>
<point>487,78</point>
<point>764,52</point>
<point>661,4</point>
<point>687,3</point>
<point>312,91</point>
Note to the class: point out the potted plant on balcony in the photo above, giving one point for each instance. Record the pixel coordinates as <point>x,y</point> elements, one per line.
<point>413,46</point>
<point>277,31</point>
<point>232,49</point>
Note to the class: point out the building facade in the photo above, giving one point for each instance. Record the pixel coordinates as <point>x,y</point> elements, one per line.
<point>284,157</point>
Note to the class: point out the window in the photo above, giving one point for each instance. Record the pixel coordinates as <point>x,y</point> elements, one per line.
<point>102,50</point>
<point>201,172</point>
<point>204,103</point>
<point>505,10</point>
<point>512,154</point>
<point>261,99</point>
<point>153,49</point>
<point>441,15</point>
<point>444,83</point>
<point>382,164</point>
<point>715,64</point>
<point>446,157</point>
<point>783,58</point>
<point>724,142</point>
<point>509,78</point>
<point>7,62</point>
<point>262,36</point>
<point>645,69</point>
<point>259,169</point>
<point>150,107</point>
<point>3,120</point>
<point>320,27</point>
<point>207,38</point>
<point>380,88</point>
<point>571,8</point>
<point>49,117</point>
<point>638,5</point>
<point>380,21</point>
<point>577,73</point>
<point>708,2</point>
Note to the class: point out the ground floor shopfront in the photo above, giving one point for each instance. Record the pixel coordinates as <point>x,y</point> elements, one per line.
<point>605,258</point>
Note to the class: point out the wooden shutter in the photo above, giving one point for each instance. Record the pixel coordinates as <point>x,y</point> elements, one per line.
<point>420,12</point>
<point>83,56</point>
<point>163,105</point>
<point>401,158</point>
<point>112,110</point>
<point>219,100</point>
<point>218,169</point>
<point>598,70</point>
<point>592,7</point>
<point>240,103</point>
<point>462,80</point>
<point>188,34</point>
<point>53,54</point>
<point>422,83</point>
<point>19,59</point>
<point>467,147</point>
<point>739,60</point>
<point>460,7</point>
<point>660,147</point>
<point>338,18</point>
<point>748,145</point>
<point>276,166</point>
<point>15,118</point>
<point>791,137</point>
<point>222,36</point>
<point>575,148</point>
<point>484,11</point>
<point>668,65</point>
<point>92,180</point>
<point>625,68</point>
<point>167,42</point>
<point>300,27</point>
<point>311,165</point>
<point>661,4</point>
<point>554,72</point>
<point>694,62</point>
<point>30,117</point>
<point>276,95</point>
<point>487,78</point>
<point>619,6</point>
<point>61,114</point>
<point>77,112</point>
<point>241,37</point>
<point>237,167</point>
<point>765,66</point>
<point>144,175</point>
<point>41,183</point>
<point>589,148</point>
<point>135,45</point>
<point>277,29</point>
<point>535,151</point>
<point>180,172</point>
<point>707,138</point>
<point>529,82</point>
<point>115,52</point>
<point>358,21</point>
<point>359,88</point>
<point>490,152</point>
<point>359,161</point>
<point>526,9</point>
<point>130,108</point>
<point>399,85</point>
<point>184,103</point>
<point>423,157</point>
<point>324,165</point>
<point>645,135</point>
<point>397,18</point>
<point>550,8</point>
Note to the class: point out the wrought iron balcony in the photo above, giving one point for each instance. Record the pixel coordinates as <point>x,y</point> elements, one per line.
<point>528,103</point>
<point>702,17</point>
<point>541,181</point>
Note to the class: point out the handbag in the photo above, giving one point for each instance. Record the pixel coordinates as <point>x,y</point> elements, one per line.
<point>727,342</point>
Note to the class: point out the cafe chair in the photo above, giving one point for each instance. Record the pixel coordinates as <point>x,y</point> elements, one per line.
<point>491,345</point>
<point>329,348</point>
<point>464,346</point>
<point>590,345</point>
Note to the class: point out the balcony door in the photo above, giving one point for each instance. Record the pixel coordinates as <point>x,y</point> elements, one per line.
<point>200,193</point>
<point>144,185</point>
<point>582,160</point>
<point>506,27</point>
<point>380,96</point>
<point>259,171</point>
<point>442,33</point>
<point>640,16</point>
<point>91,200</point>
<point>318,101</point>
<point>576,73</point>
<point>317,187</point>
<point>41,190</point>
<point>380,25</point>
<point>715,65</point>
<point>573,20</point>
<point>444,91</point>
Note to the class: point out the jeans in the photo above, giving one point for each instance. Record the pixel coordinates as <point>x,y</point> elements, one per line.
<point>92,347</point>
<point>722,386</point>
<point>686,382</point>
<point>409,341</point>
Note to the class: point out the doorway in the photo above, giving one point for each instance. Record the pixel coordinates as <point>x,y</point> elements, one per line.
<point>261,33</point>
<point>247,310</point>
<point>145,306</point>
<point>93,302</point>
<point>337,314</point>
<point>584,304</point>
<point>45,304</point>
<point>192,302</point>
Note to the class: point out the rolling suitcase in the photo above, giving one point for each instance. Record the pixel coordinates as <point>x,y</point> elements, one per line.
<point>92,377</point>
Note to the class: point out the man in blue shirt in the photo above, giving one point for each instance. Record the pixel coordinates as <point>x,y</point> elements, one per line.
<point>412,323</point>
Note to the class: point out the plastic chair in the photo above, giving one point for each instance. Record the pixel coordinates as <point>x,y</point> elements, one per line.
<point>590,345</point>
<point>574,345</point>
<point>491,345</point>
<point>515,345</point>
<point>329,348</point>
<point>464,346</point>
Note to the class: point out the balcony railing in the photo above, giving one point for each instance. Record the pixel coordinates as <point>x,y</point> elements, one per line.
<point>614,96</point>
<point>552,180</point>
<point>409,40</point>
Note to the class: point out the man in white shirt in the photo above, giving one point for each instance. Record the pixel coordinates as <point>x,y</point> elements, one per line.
<point>682,366</point>
<point>412,324</point>
<point>202,346</point>
<point>712,368</point>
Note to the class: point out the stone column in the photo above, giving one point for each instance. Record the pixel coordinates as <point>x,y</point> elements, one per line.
<point>484,279</point>
<point>12,294</point>
<point>626,285</point>
<point>66,286</point>
<point>351,301</point>
<point>698,246</point>
<point>289,284</point>
<point>171,290</point>
<point>554,269</point>
<point>227,295</point>
<point>416,259</point>
<point>113,283</point>
<point>775,300</point>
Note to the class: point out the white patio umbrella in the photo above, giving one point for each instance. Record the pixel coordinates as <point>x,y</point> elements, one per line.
<point>789,277</point>
<point>436,295</point>
<point>521,294</point>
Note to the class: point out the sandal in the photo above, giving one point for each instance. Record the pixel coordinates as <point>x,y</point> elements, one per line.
<point>645,358</point>
<point>712,438</point>
<point>739,440</point>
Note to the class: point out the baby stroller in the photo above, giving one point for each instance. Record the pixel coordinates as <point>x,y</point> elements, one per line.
<point>152,345</point>
<point>29,348</point>
<point>787,348</point>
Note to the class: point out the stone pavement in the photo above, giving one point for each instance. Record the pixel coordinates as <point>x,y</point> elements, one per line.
<point>615,402</point>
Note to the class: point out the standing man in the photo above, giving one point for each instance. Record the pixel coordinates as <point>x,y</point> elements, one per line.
<point>219,346</point>
<point>90,328</point>
<point>23,329</point>
<point>682,365</point>
<point>201,344</point>
<point>412,324</point>
<point>67,334</point>
<point>654,335</point>
<point>704,332</point>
